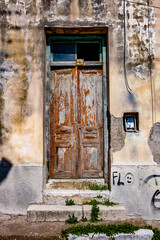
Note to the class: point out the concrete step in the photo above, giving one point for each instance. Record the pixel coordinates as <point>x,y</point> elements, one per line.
<point>80,184</point>
<point>116,212</point>
<point>52,213</point>
<point>60,213</point>
<point>59,196</point>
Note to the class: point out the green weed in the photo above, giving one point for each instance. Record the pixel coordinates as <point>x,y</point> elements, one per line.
<point>107,203</point>
<point>99,196</point>
<point>84,219</point>
<point>97,187</point>
<point>94,213</point>
<point>109,230</point>
<point>70,202</point>
<point>92,202</point>
<point>156,235</point>
<point>72,220</point>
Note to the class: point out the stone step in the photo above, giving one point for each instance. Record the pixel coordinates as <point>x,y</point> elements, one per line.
<point>80,184</point>
<point>59,196</point>
<point>141,234</point>
<point>60,213</point>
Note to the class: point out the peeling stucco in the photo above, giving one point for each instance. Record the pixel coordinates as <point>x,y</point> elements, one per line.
<point>117,133</point>
<point>154,142</point>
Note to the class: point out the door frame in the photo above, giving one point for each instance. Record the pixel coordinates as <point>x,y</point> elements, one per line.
<point>83,34</point>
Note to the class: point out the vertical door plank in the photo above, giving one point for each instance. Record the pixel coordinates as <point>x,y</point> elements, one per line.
<point>63,124</point>
<point>90,123</point>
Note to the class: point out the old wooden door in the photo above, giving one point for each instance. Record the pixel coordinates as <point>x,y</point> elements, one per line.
<point>76,125</point>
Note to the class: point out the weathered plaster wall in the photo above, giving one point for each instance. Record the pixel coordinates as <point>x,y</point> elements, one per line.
<point>22,91</point>
<point>134,53</point>
<point>137,187</point>
<point>137,74</point>
<point>135,168</point>
<point>21,113</point>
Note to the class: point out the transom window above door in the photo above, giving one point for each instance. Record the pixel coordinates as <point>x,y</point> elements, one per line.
<point>76,49</point>
<point>63,51</point>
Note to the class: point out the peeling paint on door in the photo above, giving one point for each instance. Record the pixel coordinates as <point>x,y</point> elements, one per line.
<point>76,123</point>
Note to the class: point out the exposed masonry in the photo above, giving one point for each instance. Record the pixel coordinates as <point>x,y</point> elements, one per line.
<point>117,134</point>
<point>154,142</point>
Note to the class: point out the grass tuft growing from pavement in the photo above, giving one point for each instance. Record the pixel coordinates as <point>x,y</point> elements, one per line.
<point>72,219</point>
<point>94,213</point>
<point>84,219</point>
<point>107,203</point>
<point>109,230</point>
<point>99,196</point>
<point>70,202</point>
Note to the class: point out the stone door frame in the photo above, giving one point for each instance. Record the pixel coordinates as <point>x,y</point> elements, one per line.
<point>100,32</point>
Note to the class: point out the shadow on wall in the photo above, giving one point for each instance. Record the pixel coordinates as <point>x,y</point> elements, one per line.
<point>5,167</point>
<point>132,99</point>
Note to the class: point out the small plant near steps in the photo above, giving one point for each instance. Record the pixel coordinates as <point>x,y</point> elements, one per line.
<point>72,219</point>
<point>94,216</point>
<point>70,202</point>
<point>97,187</point>
<point>99,196</point>
<point>94,213</point>
<point>84,219</point>
<point>107,202</point>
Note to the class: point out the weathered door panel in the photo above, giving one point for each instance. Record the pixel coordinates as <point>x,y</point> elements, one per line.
<point>76,125</point>
<point>90,123</point>
<point>63,128</point>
